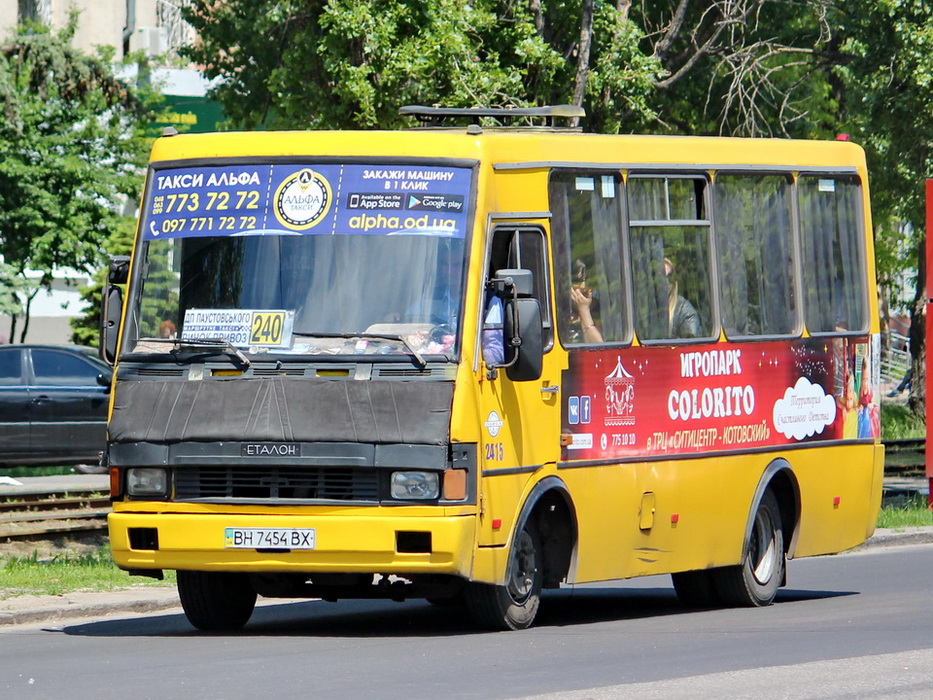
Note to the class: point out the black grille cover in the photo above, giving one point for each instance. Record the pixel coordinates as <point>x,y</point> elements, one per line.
<point>277,483</point>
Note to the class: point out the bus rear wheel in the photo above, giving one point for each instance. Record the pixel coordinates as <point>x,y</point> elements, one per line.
<point>755,581</point>
<point>216,601</point>
<point>514,605</point>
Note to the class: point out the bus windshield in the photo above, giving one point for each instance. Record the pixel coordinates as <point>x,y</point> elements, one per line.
<point>302,260</point>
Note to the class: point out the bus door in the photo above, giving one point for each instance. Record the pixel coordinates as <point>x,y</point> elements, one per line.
<point>520,420</point>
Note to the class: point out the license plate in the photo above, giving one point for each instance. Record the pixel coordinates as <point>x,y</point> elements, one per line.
<point>268,538</point>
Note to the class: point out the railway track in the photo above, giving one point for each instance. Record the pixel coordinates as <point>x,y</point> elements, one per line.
<point>905,457</point>
<point>43,515</point>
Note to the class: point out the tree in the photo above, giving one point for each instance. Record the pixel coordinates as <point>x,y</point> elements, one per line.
<point>85,329</point>
<point>71,148</point>
<point>351,64</point>
<point>743,67</point>
<point>886,67</point>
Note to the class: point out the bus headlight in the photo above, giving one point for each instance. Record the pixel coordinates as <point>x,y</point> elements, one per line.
<point>146,481</point>
<point>415,485</point>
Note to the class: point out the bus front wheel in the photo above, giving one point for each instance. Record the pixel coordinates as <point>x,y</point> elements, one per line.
<point>216,601</point>
<point>514,605</point>
<point>755,581</point>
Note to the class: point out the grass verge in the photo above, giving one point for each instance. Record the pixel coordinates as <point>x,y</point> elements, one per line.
<point>912,512</point>
<point>898,422</point>
<point>89,570</point>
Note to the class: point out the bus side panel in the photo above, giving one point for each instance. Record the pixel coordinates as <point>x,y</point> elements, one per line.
<point>661,516</point>
<point>606,500</point>
<point>834,481</point>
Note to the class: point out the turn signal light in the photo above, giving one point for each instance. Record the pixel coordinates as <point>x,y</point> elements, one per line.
<point>455,485</point>
<point>115,490</point>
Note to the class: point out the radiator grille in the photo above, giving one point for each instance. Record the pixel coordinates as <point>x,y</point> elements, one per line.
<point>276,483</point>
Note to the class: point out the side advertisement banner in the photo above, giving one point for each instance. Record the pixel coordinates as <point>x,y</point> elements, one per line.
<point>642,401</point>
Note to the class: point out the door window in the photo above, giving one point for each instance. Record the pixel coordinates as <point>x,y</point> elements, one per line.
<point>525,248</point>
<point>11,367</point>
<point>53,368</point>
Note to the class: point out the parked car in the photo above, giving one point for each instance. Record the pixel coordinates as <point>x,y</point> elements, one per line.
<point>53,404</point>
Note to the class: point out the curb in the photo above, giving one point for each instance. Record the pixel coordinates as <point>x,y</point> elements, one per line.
<point>885,537</point>
<point>30,609</point>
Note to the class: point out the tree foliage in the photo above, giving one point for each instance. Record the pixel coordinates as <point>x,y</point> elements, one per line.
<point>887,68</point>
<point>741,66</point>
<point>71,145</point>
<point>351,64</point>
<point>85,329</point>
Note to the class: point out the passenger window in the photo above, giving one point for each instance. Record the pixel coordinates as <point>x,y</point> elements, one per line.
<point>587,230</point>
<point>834,275</point>
<point>755,248</point>
<point>11,367</point>
<point>670,231</point>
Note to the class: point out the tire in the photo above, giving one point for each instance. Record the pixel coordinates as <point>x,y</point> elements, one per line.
<point>514,605</point>
<point>696,589</point>
<point>755,581</point>
<point>216,601</point>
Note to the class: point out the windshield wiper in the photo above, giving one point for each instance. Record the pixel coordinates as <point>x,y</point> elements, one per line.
<point>377,336</point>
<point>219,345</point>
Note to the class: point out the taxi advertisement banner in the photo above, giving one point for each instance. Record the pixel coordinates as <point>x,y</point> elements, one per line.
<point>301,199</point>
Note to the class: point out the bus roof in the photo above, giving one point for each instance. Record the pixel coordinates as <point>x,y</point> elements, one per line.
<point>516,148</point>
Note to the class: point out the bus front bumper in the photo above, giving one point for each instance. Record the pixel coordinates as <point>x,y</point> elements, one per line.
<point>341,543</point>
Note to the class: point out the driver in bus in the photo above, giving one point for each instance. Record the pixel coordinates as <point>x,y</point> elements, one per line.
<point>441,305</point>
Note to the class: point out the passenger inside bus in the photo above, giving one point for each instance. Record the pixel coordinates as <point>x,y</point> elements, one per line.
<point>683,319</point>
<point>582,299</point>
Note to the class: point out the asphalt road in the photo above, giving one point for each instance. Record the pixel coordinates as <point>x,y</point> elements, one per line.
<point>858,625</point>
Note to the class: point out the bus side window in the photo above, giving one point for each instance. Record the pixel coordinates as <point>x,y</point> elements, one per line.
<point>754,245</point>
<point>831,233</point>
<point>588,234</point>
<point>670,240</point>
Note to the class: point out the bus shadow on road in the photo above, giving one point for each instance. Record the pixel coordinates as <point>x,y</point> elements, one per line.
<point>416,618</point>
<point>594,605</point>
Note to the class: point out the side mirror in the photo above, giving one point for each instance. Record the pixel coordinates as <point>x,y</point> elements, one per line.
<point>119,270</point>
<point>104,379</point>
<point>110,315</point>
<point>524,340</point>
<point>513,283</point>
<point>521,327</point>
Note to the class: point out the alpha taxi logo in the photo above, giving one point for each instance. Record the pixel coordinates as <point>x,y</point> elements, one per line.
<point>302,200</point>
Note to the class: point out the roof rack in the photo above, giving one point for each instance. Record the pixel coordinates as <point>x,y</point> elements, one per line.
<point>435,116</point>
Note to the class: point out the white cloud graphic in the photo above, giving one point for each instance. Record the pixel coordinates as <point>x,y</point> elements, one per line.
<point>804,411</point>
